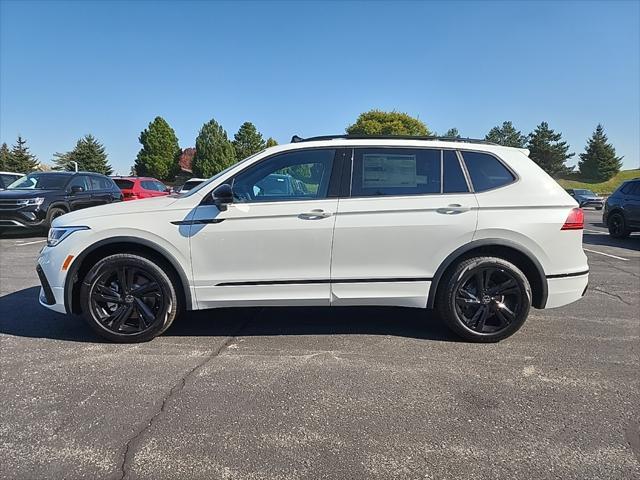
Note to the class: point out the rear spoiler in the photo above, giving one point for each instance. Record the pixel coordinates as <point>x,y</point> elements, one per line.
<point>524,150</point>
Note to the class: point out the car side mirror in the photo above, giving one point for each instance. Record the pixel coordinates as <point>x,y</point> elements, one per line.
<point>76,189</point>
<point>222,195</point>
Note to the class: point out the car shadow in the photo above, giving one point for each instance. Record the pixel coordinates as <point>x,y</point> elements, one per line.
<point>630,243</point>
<point>22,233</point>
<point>22,315</point>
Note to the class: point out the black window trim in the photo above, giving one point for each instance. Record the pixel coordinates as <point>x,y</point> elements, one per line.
<point>516,177</point>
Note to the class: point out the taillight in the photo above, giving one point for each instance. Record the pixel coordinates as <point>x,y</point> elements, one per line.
<point>575,220</point>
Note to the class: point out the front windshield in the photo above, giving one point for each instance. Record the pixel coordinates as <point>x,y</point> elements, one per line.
<point>584,192</point>
<point>216,176</point>
<point>41,181</point>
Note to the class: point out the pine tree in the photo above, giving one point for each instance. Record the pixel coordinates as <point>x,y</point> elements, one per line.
<point>507,135</point>
<point>5,157</point>
<point>89,154</point>
<point>158,156</point>
<point>548,150</point>
<point>21,160</point>
<point>271,142</point>
<point>452,133</point>
<point>599,161</point>
<point>247,141</point>
<point>214,151</point>
<point>378,122</point>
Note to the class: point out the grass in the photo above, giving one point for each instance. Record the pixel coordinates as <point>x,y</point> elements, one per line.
<point>576,181</point>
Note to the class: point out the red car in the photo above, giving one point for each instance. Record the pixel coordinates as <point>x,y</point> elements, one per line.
<point>134,188</point>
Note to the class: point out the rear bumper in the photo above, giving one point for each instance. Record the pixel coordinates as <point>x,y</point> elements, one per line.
<point>566,290</point>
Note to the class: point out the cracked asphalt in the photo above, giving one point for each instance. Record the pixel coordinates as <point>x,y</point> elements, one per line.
<point>345,393</point>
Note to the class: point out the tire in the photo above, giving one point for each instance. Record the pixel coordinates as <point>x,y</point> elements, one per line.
<point>487,314</point>
<point>598,208</point>
<point>52,214</point>
<point>111,306</point>
<point>617,225</point>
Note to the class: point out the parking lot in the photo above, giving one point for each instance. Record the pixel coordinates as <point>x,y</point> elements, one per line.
<point>297,393</point>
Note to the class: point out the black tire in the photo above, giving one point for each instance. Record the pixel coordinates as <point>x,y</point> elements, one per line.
<point>490,313</point>
<point>129,298</point>
<point>598,208</point>
<point>52,214</point>
<point>617,225</point>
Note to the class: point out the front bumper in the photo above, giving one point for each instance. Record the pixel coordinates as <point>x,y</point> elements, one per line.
<point>22,219</point>
<point>52,278</point>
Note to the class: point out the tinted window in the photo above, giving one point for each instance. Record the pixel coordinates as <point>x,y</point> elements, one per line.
<point>191,184</point>
<point>100,183</point>
<point>41,181</point>
<point>124,184</point>
<point>486,171</point>
<point>161,187</point>
<point>453,180</point>
<point>80,181</point>
<point>631,188</point>
<point>6,180</point>
<point>395,171</point>
<point>148,185</point>
<point>297,175</point>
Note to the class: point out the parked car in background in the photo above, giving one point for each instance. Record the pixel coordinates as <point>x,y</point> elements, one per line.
<point>134,188</point>
<point>35,200</point>
<point>586,198</point>
<point>191,183</point>
<point>474,230</point>
<point>7,178</point>
<point>621,212</point>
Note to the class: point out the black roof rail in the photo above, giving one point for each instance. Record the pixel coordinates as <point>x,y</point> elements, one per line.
<point>298,139</point>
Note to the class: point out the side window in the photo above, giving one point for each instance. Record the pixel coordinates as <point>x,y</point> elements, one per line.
<point>80,181</point>
<point>627,188</point>
<point>453,180</point>
<point>297,175</point>
<point>395,171</point>
<point>486,171</point>
<point>161,187</point>
<point>148,185</point>
<point>99,183</point>
<point>635,189</point>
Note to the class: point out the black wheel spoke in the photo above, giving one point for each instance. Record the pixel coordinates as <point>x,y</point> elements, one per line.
<point>146,289</point>
<point>122,279</point>
<point>505,288</point>
<point>119,316</point>
<point>102,293</point>
<point>145,312</point>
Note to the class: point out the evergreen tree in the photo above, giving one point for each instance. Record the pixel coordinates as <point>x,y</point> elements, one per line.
<point>377,122</point>
<point>89,154</point>
<point>5,157</point>
<point>158,156</point>
<point>507,135</point>
<point>21,160</point>
<point>247,141</point>
<point>548,150</point>
<point>214,151</point>
<point>452,133</point>
<point>599,161</point>
<point>271,142</point>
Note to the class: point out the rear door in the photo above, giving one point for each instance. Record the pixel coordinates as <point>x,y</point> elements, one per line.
<point>102,190</point>
<point>81,199</point>
<point>632,205</point>
<point>407,210</point>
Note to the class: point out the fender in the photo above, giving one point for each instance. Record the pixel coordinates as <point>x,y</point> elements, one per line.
<point>75,266</point>
<point>487,242</point>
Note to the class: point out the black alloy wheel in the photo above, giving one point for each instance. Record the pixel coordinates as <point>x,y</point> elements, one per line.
<point>617,226</point>
<point>129,298</point>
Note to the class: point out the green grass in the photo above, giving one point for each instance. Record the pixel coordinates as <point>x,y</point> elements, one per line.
<point>576,181</point>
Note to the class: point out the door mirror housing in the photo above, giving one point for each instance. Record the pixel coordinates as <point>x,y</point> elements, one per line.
<point>76,189</point>
<point>222,195</point>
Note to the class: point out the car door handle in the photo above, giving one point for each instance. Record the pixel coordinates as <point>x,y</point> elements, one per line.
<point>314,214</point>
<point>453,209</point>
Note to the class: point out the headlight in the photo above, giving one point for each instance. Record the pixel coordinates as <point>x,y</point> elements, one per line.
<point>58,234</point>
<point>31,201</point>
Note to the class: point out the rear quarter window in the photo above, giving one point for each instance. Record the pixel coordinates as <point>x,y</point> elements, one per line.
<point>486,171</point>
<point>124,184</point>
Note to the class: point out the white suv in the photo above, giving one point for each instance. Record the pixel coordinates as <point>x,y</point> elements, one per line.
<point>475,230</point>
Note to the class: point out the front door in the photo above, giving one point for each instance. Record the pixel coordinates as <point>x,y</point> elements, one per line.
<point>272,245</point>
<point>408,209</point>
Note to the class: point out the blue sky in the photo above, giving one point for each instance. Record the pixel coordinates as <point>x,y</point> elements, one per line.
<point>108,68</point>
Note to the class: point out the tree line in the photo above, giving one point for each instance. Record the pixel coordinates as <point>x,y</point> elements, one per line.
<point>214,151</point>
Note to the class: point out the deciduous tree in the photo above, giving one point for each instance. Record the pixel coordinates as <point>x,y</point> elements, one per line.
<point>377,122</point>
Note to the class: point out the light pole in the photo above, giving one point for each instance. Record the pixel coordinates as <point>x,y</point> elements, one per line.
<point>75,164</point>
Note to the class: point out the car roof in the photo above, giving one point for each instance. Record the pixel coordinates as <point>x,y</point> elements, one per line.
<point>118,177</point>
<point>12,173</point>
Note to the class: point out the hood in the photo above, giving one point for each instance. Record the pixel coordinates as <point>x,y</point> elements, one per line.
<point>16,194</point>
<point>116,209</point>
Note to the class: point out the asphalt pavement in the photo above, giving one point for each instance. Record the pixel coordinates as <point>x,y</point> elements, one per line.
<point>306,393</point>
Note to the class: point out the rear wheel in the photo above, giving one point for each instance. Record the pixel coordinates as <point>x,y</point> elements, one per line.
<point>129,298</point>
<point>617,226</point>
<point>484,299</point>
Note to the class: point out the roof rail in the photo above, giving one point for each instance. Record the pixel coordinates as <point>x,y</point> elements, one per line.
<point>298,139</point>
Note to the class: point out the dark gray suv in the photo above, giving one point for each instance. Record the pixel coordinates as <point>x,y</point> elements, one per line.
<point>622,209</point>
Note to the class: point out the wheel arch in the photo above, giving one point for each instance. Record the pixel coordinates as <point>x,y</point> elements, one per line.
<point>511,251</point>
<point>122,244</point>
<point>59,204</point>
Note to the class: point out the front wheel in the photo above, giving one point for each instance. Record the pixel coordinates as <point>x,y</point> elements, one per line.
<point>129,298</point>
<point>484,299</point>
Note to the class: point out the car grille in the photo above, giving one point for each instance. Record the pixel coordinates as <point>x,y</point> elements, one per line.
<point>10,204</point>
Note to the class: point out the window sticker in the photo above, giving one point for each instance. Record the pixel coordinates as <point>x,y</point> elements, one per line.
<point>389,171</point>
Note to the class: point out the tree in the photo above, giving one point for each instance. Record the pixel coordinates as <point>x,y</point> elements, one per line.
<point>452,133</point>
<point>21,160</point>
<point>5,157</point>
<point>507,135</point>
<point>88,153</point>
<point>548,150</point>
<point>271,142</point>
<point>214,151</point>
<point>158,156</point>
<point>247,141</point>
<point>599,161</point>
<point>377,122</point>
